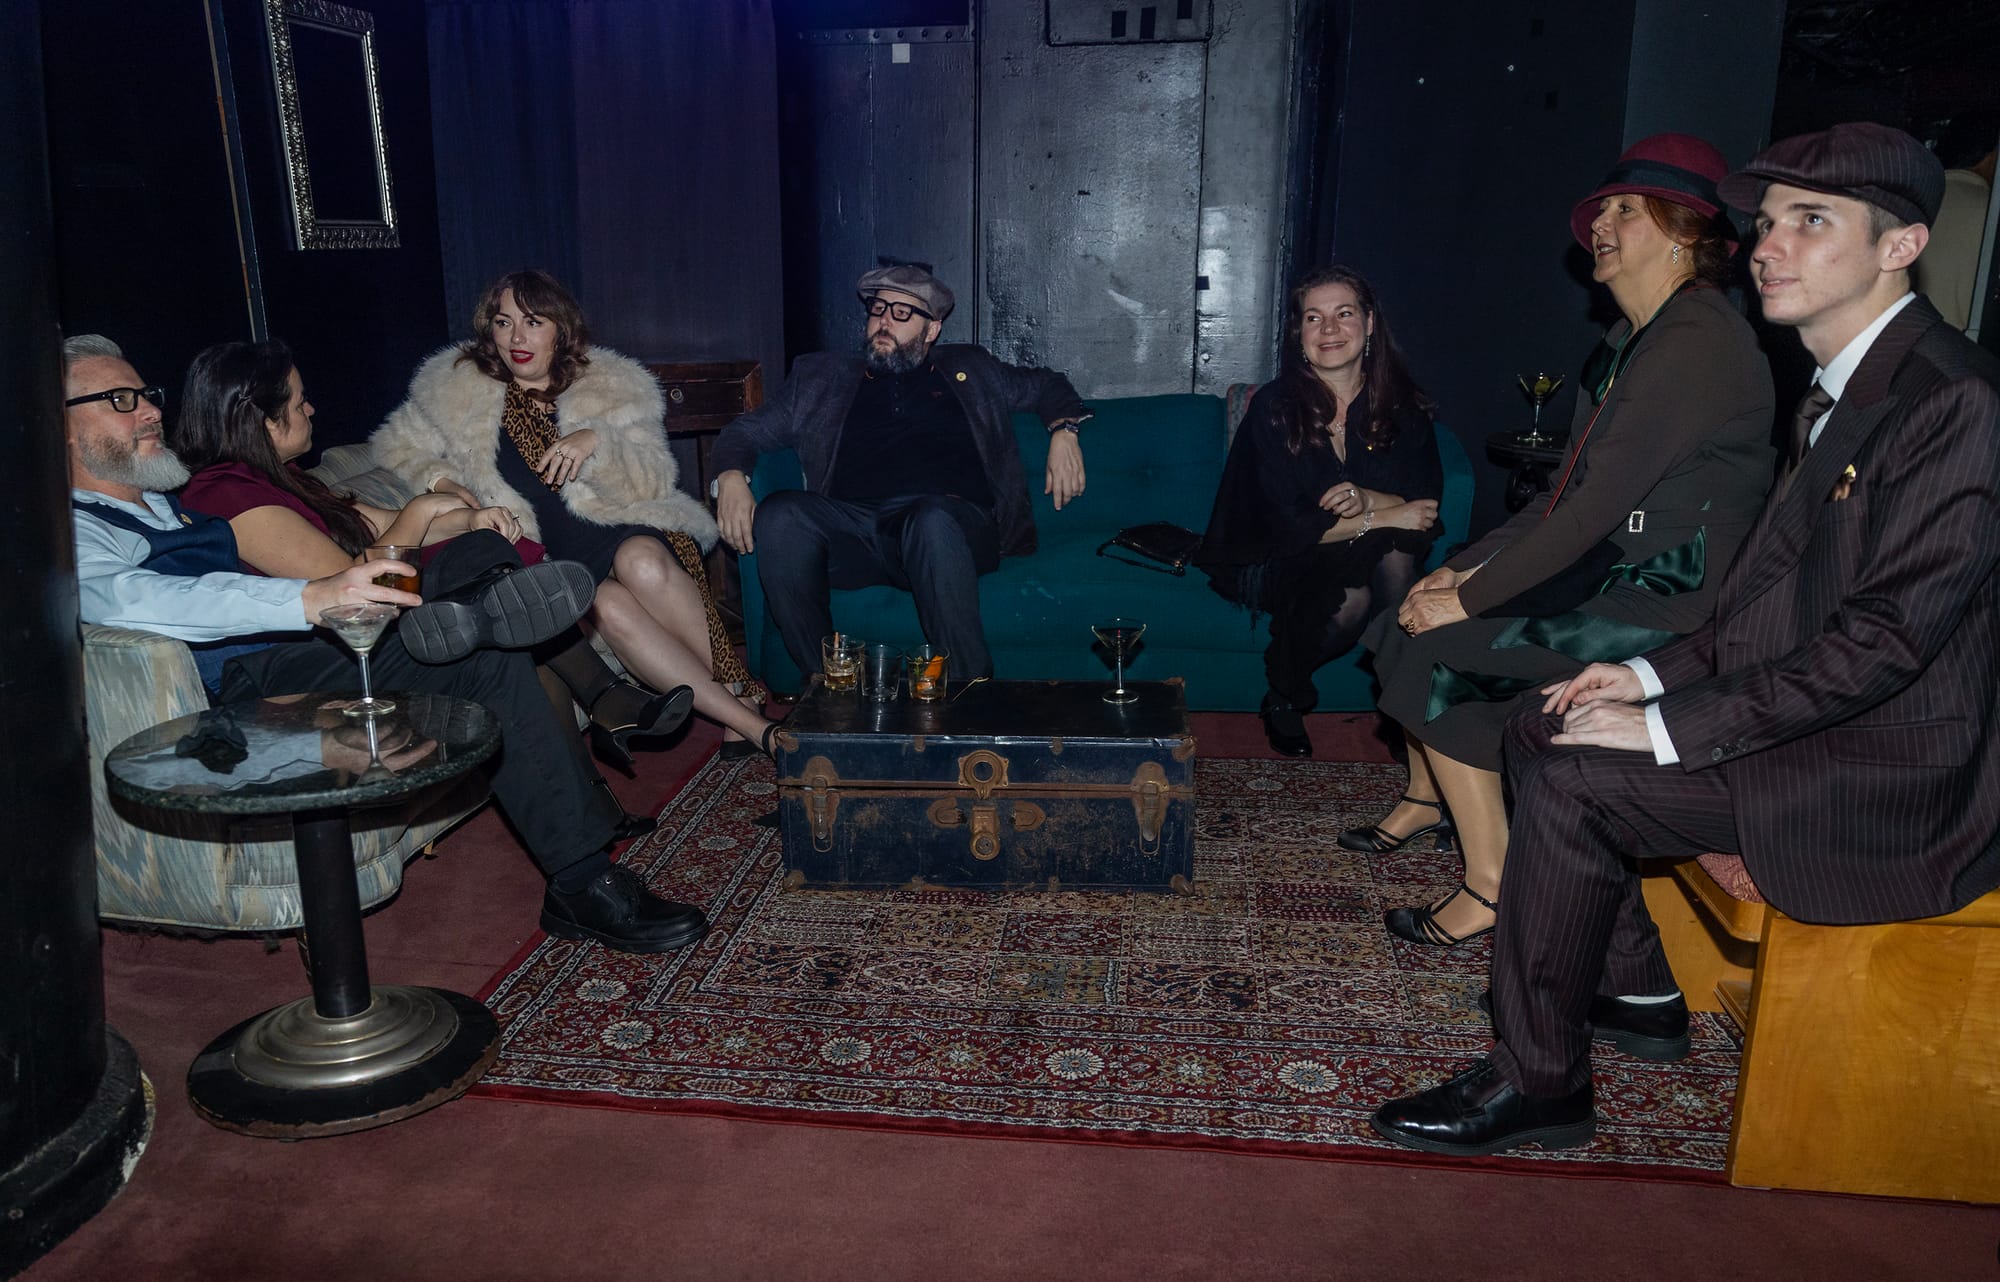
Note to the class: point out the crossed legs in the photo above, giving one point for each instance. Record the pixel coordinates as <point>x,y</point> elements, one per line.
<point>651,613</point>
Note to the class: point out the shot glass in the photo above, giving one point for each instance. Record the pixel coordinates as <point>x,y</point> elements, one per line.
<point>840,661</point>
<point>881,672</point>
<point>927,667</point>
<point>404,552</point>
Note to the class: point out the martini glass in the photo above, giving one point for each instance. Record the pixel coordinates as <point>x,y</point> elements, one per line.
<point>1539,389</point>
<point>1119,636</point>
<point>360,627</point>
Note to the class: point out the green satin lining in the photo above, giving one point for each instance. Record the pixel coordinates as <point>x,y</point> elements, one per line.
<point>1587,638</point>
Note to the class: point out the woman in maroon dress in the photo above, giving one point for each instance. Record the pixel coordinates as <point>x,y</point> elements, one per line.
<point>245,419</point>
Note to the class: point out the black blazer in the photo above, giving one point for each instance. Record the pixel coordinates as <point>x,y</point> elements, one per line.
<point>1849,683</point>
<point>809,412</point>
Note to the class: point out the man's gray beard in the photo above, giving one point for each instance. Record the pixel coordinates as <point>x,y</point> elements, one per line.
<point>902,359</point>
<point>161,471</point>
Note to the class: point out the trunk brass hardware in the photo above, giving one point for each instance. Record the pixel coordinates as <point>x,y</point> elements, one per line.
<point>1150,794</point>
<point>795,878</point>
<point>819,791</point>
<point>1027,816</point>
<point>985,831</point>
<point>1184,749</point>
<point>945,813</point>
<point>984,771</point>
<point>1181,885</point>
<point>1056,746</point>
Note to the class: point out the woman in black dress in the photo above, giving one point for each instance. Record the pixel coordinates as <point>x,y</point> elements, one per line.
<point>1329,499</point>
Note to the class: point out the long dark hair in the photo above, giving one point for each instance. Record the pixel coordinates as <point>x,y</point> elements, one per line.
<point>1305,406</point>
<point>536,293</point>
<point>232,388</point>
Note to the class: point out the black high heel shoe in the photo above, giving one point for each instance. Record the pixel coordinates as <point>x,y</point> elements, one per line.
<point>1419,924</point>
<point>629,825</point>
<point>1377,840</point>
<point>612,728</point>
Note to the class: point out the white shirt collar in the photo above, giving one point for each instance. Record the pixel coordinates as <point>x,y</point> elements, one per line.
<point>1834,375</point>
<point>152,504</point>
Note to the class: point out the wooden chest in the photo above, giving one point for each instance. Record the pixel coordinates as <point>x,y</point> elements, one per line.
<point>1011,783</point>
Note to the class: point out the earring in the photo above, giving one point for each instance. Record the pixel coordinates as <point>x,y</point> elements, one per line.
<point>1677,255</point>
<point>1367,341</point>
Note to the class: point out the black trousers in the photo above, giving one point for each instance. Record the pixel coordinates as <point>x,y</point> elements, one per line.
<point>1320,605</point>
<point>934,547</point>
<point>541,784</point>
<point>1572,920</point>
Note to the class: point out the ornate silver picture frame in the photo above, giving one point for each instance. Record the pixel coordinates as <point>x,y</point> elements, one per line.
<point>330,120</point>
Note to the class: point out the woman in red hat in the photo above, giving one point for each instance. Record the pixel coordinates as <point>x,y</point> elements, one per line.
<point>1669,460</point>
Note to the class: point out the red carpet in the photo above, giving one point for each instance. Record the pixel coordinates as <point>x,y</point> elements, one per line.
<point>1267,1012</point>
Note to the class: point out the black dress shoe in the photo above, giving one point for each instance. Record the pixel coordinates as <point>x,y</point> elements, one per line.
<point>1285,730</point>
<point>1479,1112</point>
<point>617,910</point>
<point>1644,1030</point>
<point>507,608</point>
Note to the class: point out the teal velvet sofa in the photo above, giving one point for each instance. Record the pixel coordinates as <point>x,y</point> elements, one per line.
<point>1149,458</point>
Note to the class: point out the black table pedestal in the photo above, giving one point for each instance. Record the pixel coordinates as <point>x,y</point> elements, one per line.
<point>351,1056</point>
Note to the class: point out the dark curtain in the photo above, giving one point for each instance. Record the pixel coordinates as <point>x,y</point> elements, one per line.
<point>503,121</point>
<point>631,147</point>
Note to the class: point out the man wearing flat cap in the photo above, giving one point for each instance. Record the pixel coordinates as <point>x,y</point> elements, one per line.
<point>1837,722</point>
<point>911,472</point>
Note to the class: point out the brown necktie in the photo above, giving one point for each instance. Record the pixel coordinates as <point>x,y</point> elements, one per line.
<point>1817,402</point>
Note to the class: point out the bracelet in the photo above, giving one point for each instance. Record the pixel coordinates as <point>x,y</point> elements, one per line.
<point>1367,520</point>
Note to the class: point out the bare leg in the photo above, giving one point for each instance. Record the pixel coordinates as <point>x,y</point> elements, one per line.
<point>1479,808</point>
<point>656,579</point>
<point>663,660</point>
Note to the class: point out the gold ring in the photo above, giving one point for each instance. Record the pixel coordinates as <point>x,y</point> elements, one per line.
<point>1410,628</point>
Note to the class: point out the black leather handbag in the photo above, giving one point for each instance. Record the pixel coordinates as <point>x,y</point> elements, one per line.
<point>1157,545</point>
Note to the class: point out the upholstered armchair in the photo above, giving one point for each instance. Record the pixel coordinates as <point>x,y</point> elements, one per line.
<point>208,873</point>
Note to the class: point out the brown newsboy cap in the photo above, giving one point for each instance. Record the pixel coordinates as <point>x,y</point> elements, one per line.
<point>908,278</point>
<point>1883,166</point>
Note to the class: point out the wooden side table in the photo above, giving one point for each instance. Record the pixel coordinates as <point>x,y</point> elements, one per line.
<point>703,397</point>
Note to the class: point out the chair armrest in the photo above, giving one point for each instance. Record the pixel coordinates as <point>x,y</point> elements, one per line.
<point>134,680</point>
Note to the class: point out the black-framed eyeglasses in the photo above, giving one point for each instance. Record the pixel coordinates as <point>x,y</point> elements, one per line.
<point>123,399</point>
<point>900,312</point>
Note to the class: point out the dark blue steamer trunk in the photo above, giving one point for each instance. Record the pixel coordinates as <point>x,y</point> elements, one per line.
<point>1011,783</point>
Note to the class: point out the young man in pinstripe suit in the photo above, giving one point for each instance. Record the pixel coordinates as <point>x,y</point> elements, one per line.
<point>1837,723</point>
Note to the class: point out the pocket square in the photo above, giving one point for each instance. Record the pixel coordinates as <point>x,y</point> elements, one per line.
<point>1843,487</point>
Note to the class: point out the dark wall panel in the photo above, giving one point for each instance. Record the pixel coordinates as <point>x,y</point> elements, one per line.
<point>146,245</point>
<point>1090,203</point>
<point>1468,134</point>
<point>358,320</point>
<point>884,166</point>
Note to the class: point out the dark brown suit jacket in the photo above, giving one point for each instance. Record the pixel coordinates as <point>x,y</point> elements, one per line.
<point>1849,682</point>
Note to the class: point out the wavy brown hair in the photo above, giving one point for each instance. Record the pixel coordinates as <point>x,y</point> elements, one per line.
<point>232,389</point>
<point>1305,406</point>
<point>536,293</point>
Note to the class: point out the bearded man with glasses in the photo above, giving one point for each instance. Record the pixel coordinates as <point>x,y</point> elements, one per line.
<point>912,475</point>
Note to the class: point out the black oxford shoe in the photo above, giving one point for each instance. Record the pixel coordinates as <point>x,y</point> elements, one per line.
<point>1645,1030</point>
<point>617,910</point>
<point>1480,1112</point>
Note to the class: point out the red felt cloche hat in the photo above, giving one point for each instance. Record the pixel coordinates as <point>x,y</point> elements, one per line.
<point>1675,167</point>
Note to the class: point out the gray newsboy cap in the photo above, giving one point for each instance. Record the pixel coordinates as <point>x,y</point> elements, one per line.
<point>1883,166</point>
<point>907,278</point>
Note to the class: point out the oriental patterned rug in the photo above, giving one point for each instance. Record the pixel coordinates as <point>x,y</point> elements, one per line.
<point>1266,1012</point>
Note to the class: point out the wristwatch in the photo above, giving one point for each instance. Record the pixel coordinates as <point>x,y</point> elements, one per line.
<point>715,484</point>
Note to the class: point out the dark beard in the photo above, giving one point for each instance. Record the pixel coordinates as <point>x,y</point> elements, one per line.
<point>903,359</point>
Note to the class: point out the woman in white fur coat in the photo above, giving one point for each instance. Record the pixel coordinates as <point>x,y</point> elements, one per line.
<point>529,417</point>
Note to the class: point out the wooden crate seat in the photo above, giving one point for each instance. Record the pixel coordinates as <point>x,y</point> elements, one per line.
<point>1871,1054</point>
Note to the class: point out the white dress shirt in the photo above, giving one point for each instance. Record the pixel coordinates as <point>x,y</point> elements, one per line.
<point>116,591</point>
<point>1833,377</point>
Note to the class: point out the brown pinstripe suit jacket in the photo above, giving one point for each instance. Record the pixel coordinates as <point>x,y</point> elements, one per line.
<point>1849,682</point>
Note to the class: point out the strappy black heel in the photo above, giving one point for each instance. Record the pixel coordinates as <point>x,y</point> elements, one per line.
<point>1419,924</point>
<point>612,730</point>
<point>1377,840</point>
